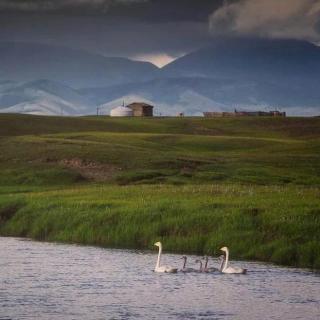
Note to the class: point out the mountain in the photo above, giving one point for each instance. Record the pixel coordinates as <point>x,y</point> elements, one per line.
<point>232,73</point>
<point>169,95</point>
<point>42,97</point>
<point>243,73</point>
<point>186,100</point>
<point>270,60</point>
<point>193,95</point>
<point>262,72</point>
<point>26,62</point>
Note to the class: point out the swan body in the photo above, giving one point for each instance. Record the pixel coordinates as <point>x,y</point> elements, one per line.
<point>208,270</point>
<point>229,269</point>
<point>184,268</point>
<point>164,269</point>
<point>200,262</point>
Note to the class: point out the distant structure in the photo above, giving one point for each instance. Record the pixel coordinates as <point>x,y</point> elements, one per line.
<point>141,109</point>
<point>121,112</point>
<point>180,114</point>
<point>236,113</point>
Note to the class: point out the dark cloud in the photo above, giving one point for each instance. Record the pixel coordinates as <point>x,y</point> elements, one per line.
<point>130,28</point>
<point>297,19</point>
<point>169,10</point>
<point>63,6</point>
<point>110,27</point>
<point>152,10</point>
<point>111,37</point>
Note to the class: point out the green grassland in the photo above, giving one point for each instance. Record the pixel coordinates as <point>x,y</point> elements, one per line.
<point>252,184</point>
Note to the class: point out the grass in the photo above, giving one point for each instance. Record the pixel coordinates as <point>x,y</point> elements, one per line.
<point>196,184</point>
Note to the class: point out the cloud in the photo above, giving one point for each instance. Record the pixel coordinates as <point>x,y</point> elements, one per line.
<point>62,5</point>
<point>298,19</point>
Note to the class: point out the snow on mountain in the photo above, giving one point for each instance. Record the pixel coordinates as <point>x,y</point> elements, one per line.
<point>39,107</point>
<point>43,97</point>
<point>193,103</point>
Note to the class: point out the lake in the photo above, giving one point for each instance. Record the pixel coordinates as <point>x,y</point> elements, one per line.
<point>58,281</point>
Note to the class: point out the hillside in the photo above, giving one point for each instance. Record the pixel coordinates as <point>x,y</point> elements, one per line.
<point>225,147</point>
<point>195,183</point>
<point>43,97</point>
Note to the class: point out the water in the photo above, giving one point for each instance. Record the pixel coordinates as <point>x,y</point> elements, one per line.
<point>55,281</point>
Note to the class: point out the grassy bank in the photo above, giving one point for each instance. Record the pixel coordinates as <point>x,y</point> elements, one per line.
<point>196,184</point>
<point>278,224</point>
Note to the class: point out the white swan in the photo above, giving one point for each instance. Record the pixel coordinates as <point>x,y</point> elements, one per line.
<point>221,258</point>
<point>206,269</point>
<point>184,268</point>
<point>228,269</point>
<point>159,268</point>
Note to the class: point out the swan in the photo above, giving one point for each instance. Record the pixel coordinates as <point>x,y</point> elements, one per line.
<point>221,258</point>
<point>184,269</point>
<point>159,268</point>
<point>226,268</point>
<point>200,262</point>
<point>206,269</point>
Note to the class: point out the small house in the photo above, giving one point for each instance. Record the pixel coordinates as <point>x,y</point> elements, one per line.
<point>141,109</point>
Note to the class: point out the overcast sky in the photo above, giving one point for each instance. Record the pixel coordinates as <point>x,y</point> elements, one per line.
<point>154,30</point>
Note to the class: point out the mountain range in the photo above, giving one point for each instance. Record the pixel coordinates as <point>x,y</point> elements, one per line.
<point>243,73</point>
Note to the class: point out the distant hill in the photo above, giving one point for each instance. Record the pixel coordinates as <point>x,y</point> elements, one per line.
<point>243,73</point>
<point>170,96</point>
<point>193,95</point>
<point>44,97</point>
<point>231,73</point>
<point>77,68</point>
<point>270,60</point>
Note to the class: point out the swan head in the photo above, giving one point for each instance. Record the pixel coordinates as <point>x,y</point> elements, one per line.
<point>225,249</point>
<point>198,261</point>
<point>158,244</point>
<point>184,257</point>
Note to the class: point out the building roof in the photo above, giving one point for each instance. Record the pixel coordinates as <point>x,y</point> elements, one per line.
<point>142,104</point>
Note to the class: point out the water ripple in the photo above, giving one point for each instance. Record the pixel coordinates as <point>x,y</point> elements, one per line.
<point>54,281</point>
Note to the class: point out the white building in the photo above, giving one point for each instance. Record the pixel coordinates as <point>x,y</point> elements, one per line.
<point>121,112</point>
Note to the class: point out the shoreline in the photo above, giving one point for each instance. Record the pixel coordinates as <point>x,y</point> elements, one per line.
<point>267,225</point>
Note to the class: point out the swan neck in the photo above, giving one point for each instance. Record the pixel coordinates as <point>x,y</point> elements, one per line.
<point>226,260</point>
<point>159,257</point>
<point>185,262</point>
<point>221,264</point>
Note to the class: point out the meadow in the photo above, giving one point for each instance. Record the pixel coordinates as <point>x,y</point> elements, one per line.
<point>194,183</point>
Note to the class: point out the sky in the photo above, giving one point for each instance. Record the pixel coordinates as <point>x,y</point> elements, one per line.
<point>158,31</point>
